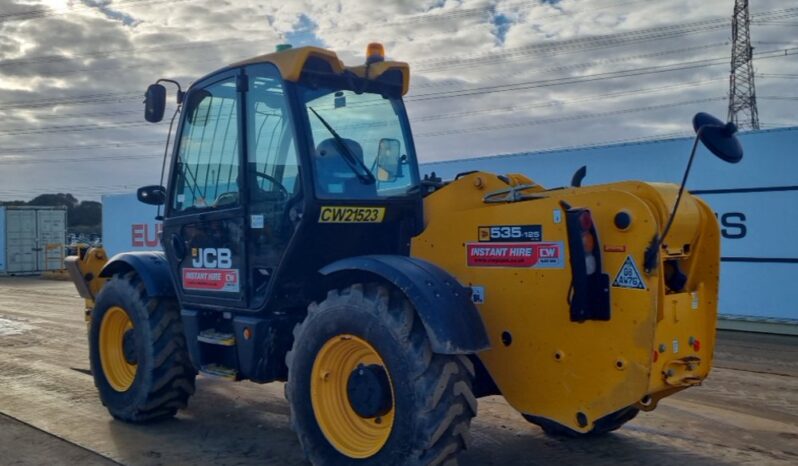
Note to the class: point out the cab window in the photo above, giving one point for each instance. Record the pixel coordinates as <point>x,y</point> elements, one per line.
<point>207,166</point>
<point>361,146</point>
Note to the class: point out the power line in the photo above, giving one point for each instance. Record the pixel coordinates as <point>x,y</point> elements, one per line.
<point>194,44</point>
<point>559,68</point>
<point>556,103</point>
<point>593,77</point>
<point>73,100</point>
<point>71,128</point>
<point>777,75</point>
<point>116,145</point>
<point>487,89</point>
<point>543,48</point>
<point>583,116</point>
<point>614,60</point>
<point>115,158</point>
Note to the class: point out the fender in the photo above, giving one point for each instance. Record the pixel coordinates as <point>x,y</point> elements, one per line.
<point>151,267</point>
<point>452,322</point>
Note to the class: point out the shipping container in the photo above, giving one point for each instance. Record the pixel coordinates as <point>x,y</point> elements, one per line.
<point>32,239</point>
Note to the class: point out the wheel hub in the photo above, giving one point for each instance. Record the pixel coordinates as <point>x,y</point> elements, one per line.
<point>369,391</point>
<point>117,348</point>
<point>348,395</point>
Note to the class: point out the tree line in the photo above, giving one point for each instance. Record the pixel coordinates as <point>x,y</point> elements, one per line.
<point>82,216</point>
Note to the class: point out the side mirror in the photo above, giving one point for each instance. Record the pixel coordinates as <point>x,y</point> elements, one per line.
<point>718,137</point>
<point>154,103</point>
<point>153,194</point>
<point>389,160</point>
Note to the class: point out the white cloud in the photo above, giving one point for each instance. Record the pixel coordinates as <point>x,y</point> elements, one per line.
<point>112,49</point>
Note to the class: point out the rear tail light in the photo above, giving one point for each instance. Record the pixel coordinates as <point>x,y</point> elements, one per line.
<point>588,241</point>
<point>590,288</point>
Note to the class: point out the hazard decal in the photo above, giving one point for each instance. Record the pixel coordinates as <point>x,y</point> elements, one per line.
<point>629,276</point>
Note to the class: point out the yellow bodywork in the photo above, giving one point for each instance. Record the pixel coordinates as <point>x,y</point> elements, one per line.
<point>84,270</point>
<point>292,62</point>
<point>554,367</point>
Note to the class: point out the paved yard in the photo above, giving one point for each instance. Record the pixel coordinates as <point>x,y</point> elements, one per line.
<point>746,413</point>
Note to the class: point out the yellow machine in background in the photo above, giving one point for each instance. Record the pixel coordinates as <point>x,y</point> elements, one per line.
<point>311,251</point>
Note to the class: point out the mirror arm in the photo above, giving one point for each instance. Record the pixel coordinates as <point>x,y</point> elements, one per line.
<point>180,93</point>
<point>652,252</point>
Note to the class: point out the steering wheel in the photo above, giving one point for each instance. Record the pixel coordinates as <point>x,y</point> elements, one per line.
<point>275,182</point>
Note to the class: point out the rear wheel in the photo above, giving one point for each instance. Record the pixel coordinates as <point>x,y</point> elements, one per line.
<point>138,352</point>
<point>606,424</point>
<point>364,387</point>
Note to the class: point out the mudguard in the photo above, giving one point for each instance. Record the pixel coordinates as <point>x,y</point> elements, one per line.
<point>451,319</point>
<point>151,267</point>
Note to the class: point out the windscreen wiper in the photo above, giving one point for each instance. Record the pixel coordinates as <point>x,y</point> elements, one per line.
<point>358,167</point>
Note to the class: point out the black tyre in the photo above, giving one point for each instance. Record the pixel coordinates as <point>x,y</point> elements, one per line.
<point>607,424</point>
<point>138,352</point>
<point>365,388</point>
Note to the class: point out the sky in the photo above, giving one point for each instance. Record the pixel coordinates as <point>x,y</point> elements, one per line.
<point>487,76</point>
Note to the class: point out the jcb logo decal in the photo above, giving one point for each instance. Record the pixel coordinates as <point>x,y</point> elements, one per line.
<point>212,258</point>
<point>340,214</point>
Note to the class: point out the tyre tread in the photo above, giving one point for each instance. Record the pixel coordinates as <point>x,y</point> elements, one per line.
<point>445,403</point>
<point>172,379</point>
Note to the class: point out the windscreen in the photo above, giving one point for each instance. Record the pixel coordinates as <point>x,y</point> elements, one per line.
<point>361,144</point>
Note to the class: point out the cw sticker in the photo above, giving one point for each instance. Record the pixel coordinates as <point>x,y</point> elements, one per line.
<point>347,214</point>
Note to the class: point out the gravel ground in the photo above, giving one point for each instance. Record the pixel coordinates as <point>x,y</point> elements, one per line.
<point>746,412</point>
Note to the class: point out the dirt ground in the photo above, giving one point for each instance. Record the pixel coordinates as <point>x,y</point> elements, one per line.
<point>746,413</point>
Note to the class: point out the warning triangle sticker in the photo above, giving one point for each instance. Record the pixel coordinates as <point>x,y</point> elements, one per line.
<point>629,276</point>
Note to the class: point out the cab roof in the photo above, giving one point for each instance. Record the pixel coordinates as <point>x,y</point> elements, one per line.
<point>292,62</point>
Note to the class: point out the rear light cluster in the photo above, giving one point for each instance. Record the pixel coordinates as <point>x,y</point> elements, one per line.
<point>588,242</point>
<point>590,288</point>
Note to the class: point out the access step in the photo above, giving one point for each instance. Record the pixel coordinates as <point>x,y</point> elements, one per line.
<point>220,371</point>
<point>213,337</point>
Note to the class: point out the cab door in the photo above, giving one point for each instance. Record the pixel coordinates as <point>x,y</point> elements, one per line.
<point>204,229</point>
<point>275,194</point>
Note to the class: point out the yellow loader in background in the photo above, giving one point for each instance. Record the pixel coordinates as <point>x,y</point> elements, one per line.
<point>301,244</point>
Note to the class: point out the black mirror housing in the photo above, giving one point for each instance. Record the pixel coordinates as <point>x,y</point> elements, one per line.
<point>153,194</point>
<point>154,103</point>
<point>718,137</point>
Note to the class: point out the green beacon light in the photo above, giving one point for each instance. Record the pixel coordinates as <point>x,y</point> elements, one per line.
<point>282,47</point>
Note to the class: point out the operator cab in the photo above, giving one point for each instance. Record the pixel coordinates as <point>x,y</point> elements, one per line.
<point>275,158</point>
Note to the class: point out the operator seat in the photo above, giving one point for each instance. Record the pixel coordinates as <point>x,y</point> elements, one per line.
<point>334,177</point>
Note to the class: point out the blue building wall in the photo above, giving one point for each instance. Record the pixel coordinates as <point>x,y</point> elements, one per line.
<point>756,201</point>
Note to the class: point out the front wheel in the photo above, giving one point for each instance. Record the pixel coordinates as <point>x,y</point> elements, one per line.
<point>138,352</point>
<point>364,387</point>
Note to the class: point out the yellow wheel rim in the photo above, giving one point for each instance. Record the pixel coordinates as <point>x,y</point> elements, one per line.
<point>118,371</point>
<point>350,434</point>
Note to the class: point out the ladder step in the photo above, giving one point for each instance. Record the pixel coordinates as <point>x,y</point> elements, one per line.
<point>217,338</point>
<point>220,371</point>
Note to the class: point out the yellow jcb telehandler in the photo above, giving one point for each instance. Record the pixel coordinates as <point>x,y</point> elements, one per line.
<point>301,244</point>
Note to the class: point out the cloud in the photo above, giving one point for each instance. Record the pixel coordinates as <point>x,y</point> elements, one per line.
<point>488,76</point>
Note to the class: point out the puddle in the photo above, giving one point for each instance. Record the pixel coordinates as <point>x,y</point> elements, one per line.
<point>12,327</point>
